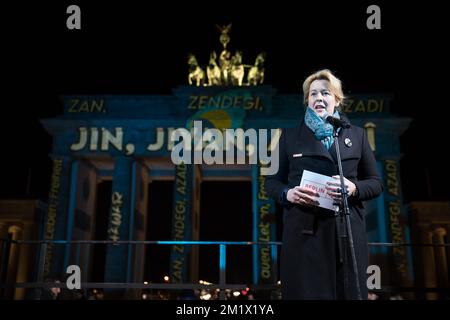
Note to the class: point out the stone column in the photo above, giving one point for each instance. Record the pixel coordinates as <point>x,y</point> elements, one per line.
<point>23,261</point>
<point>13,260</point>
<point>57,214</point>
<point>428,261</point>
<point>119,225</point>
<point>370,131</point>
<point>3,257</point>
<point>447,249</point>
<point>441,258</point>
<point>4,236</point>
<point>196,196</point>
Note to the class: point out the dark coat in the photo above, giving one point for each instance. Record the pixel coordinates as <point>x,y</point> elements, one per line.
<point>310,267</point>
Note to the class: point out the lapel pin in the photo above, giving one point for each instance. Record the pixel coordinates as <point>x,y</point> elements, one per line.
<point>348,142</point>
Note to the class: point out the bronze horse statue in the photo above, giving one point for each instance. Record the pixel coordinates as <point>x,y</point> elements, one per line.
<point>237,69</point>
<point>196,74</point>
<point>213,71</point>
<point>256,73</point>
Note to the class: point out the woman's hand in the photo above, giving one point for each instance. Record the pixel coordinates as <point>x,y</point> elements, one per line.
<point>334,188</point>
<point>303,196</point>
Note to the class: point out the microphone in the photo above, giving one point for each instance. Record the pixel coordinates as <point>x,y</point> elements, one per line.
<point>335,122</point>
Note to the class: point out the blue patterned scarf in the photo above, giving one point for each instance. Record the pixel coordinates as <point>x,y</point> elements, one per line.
<point>321,129</point>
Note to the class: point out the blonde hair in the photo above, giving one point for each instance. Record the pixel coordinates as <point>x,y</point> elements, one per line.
<point>324,74</point>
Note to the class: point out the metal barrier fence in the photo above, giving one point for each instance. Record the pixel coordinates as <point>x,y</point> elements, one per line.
<point>222,285</point>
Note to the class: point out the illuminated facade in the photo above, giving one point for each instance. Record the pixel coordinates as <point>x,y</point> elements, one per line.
<point>125,139</point>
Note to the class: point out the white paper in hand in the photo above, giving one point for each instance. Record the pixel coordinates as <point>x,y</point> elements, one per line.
<point>318,182</point>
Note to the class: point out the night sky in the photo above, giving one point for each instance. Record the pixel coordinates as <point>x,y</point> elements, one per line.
<point>129,48</point>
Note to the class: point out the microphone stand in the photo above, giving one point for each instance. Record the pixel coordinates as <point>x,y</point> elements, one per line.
<point>345,227</point>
